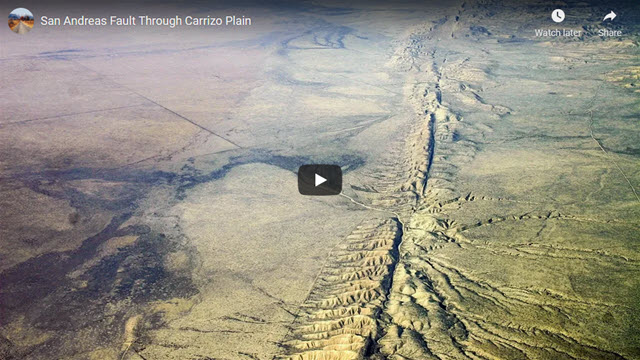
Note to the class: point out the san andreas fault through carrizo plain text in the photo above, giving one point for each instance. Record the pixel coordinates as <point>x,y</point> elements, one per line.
<point>145,20</point>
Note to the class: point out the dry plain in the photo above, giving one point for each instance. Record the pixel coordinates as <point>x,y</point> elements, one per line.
<point>149,208</point>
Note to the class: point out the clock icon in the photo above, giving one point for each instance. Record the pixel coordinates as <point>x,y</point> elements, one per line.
<point>557,15</point>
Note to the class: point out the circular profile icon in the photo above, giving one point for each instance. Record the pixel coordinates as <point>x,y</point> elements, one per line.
<point>21,21</point>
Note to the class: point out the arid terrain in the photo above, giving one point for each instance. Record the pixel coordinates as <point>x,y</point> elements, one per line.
<point>490,209</point>
<point>20,26</point>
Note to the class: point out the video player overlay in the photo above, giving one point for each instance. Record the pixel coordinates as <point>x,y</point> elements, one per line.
<point>320,180</point>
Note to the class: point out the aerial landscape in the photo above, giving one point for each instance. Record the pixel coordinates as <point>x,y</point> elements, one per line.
<point>490,206</point>
<point>21,21</point>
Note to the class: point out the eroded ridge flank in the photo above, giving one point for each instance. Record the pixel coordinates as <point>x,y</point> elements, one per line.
<point>419,301</point>
<point>437,308</point>
<point>418,322</point>
<point>354,310</point>
<point>339,319</point>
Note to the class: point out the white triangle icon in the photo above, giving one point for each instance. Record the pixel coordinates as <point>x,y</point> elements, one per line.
<point>320,180</point>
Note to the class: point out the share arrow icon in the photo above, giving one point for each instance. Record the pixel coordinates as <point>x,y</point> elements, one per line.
<point>610,16</point>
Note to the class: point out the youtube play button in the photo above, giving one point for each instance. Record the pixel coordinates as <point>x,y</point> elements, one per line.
<point>319,180</point>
